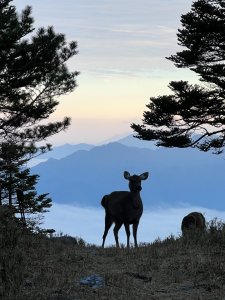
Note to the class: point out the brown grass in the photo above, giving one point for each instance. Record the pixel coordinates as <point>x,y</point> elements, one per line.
<point>36,267</point>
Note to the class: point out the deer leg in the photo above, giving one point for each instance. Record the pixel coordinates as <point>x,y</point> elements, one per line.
<point>116,230</point>
<point>135,227</point>
<point>108,223</point>
<point>127,228</point>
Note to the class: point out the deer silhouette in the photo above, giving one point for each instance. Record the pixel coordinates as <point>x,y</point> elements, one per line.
<point>124,208</point>
<point>193,221</point>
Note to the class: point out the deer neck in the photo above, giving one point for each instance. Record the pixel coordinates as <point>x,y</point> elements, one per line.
<point>136,199</point>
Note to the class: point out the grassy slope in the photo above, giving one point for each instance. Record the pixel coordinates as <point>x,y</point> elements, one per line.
<point>36,267</point>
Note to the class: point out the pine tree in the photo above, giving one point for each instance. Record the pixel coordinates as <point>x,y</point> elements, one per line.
<point>33,74</point>
<point>15,176</point>
<point>193,115</point>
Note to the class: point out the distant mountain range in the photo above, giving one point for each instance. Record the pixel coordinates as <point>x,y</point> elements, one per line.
<point>59,152</point>
<point>177,176</point>
<point>131,141</point>
<point>65,150</point>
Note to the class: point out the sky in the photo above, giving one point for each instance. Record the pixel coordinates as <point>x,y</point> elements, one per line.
<point>122,47</point>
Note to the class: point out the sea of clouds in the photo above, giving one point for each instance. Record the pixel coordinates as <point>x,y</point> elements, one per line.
<point>88,223</point>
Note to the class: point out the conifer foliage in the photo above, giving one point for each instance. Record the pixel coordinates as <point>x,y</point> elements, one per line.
<point>33,74</point>
<point>194,114</point>
<point>15,176</point>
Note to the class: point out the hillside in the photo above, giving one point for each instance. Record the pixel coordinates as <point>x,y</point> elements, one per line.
<point>35,267</point>
<point>176,176</point>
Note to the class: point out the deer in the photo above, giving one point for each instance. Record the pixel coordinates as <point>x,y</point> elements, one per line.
<point>124,208</point>
<point>193,221</point>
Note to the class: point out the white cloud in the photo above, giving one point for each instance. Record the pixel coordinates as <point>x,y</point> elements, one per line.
<point>113,30</point>
<point>88,223</point>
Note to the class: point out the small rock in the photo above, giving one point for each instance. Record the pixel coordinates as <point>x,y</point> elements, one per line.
<point>94,281</point>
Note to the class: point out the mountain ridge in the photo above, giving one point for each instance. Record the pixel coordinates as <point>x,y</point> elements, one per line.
<point>176,176</point>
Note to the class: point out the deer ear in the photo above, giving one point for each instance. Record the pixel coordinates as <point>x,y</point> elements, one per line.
<point>144,176</point>
<point>126,175</point>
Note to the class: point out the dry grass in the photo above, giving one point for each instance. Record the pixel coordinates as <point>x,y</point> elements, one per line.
<point>36,267</point>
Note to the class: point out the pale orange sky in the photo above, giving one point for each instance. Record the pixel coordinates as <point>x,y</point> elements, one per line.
<point>122,47</point>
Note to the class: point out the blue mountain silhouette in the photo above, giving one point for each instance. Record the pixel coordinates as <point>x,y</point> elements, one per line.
<point>177,176</point>
<point>59,152</point>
